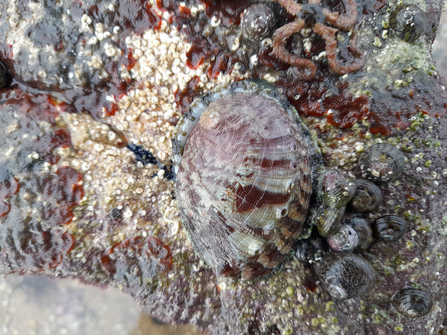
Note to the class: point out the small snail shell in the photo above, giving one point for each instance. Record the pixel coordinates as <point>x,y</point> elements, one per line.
<point>346,239</point>
<point>338,188</point>
<point>412,302</point>
<point>328,220</point>
<point>408,22</point>
<point>367,197</point>
<point>382,163</point>
<point>244,181</point>
<point>258,22</point>
<point>345,275</point>
<point>363,230</point>
<point>310,250</point>
<point>389,228</point>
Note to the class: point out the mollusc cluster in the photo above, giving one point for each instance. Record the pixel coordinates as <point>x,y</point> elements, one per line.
<point>252,190</point>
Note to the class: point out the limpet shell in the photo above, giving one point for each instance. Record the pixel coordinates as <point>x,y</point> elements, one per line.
<point>367,197</point>
<point>412,302</point>
<point>345,275</point>
<point>244,181</point>
<point>382,163</point>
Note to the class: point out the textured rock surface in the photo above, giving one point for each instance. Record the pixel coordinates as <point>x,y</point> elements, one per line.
<point>76,202</point>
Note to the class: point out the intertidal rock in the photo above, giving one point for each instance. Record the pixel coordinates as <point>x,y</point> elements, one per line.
<point>86,186</point>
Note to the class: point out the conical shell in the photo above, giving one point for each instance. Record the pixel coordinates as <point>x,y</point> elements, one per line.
<point>244,183</point>
<point>412,302</point>
<point>382,163</point>
<point>345,275</point>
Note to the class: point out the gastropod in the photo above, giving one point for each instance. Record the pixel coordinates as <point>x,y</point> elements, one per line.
<point>408,22</point>
<point>244,177</point>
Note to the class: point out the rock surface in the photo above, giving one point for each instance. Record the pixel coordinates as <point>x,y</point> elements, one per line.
<point>76,202</point>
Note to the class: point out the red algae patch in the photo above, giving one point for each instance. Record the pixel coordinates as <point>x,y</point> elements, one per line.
<point>229,11</point>
<point>37,252</point>
<point>345,109</point>
<point>145,256</point>
<point>64,192</point>
<point>37,195</point>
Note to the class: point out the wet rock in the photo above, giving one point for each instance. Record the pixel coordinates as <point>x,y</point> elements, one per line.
<point>52,153</point>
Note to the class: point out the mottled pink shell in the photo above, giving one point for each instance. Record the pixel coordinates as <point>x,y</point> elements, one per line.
<point>244,184</point>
